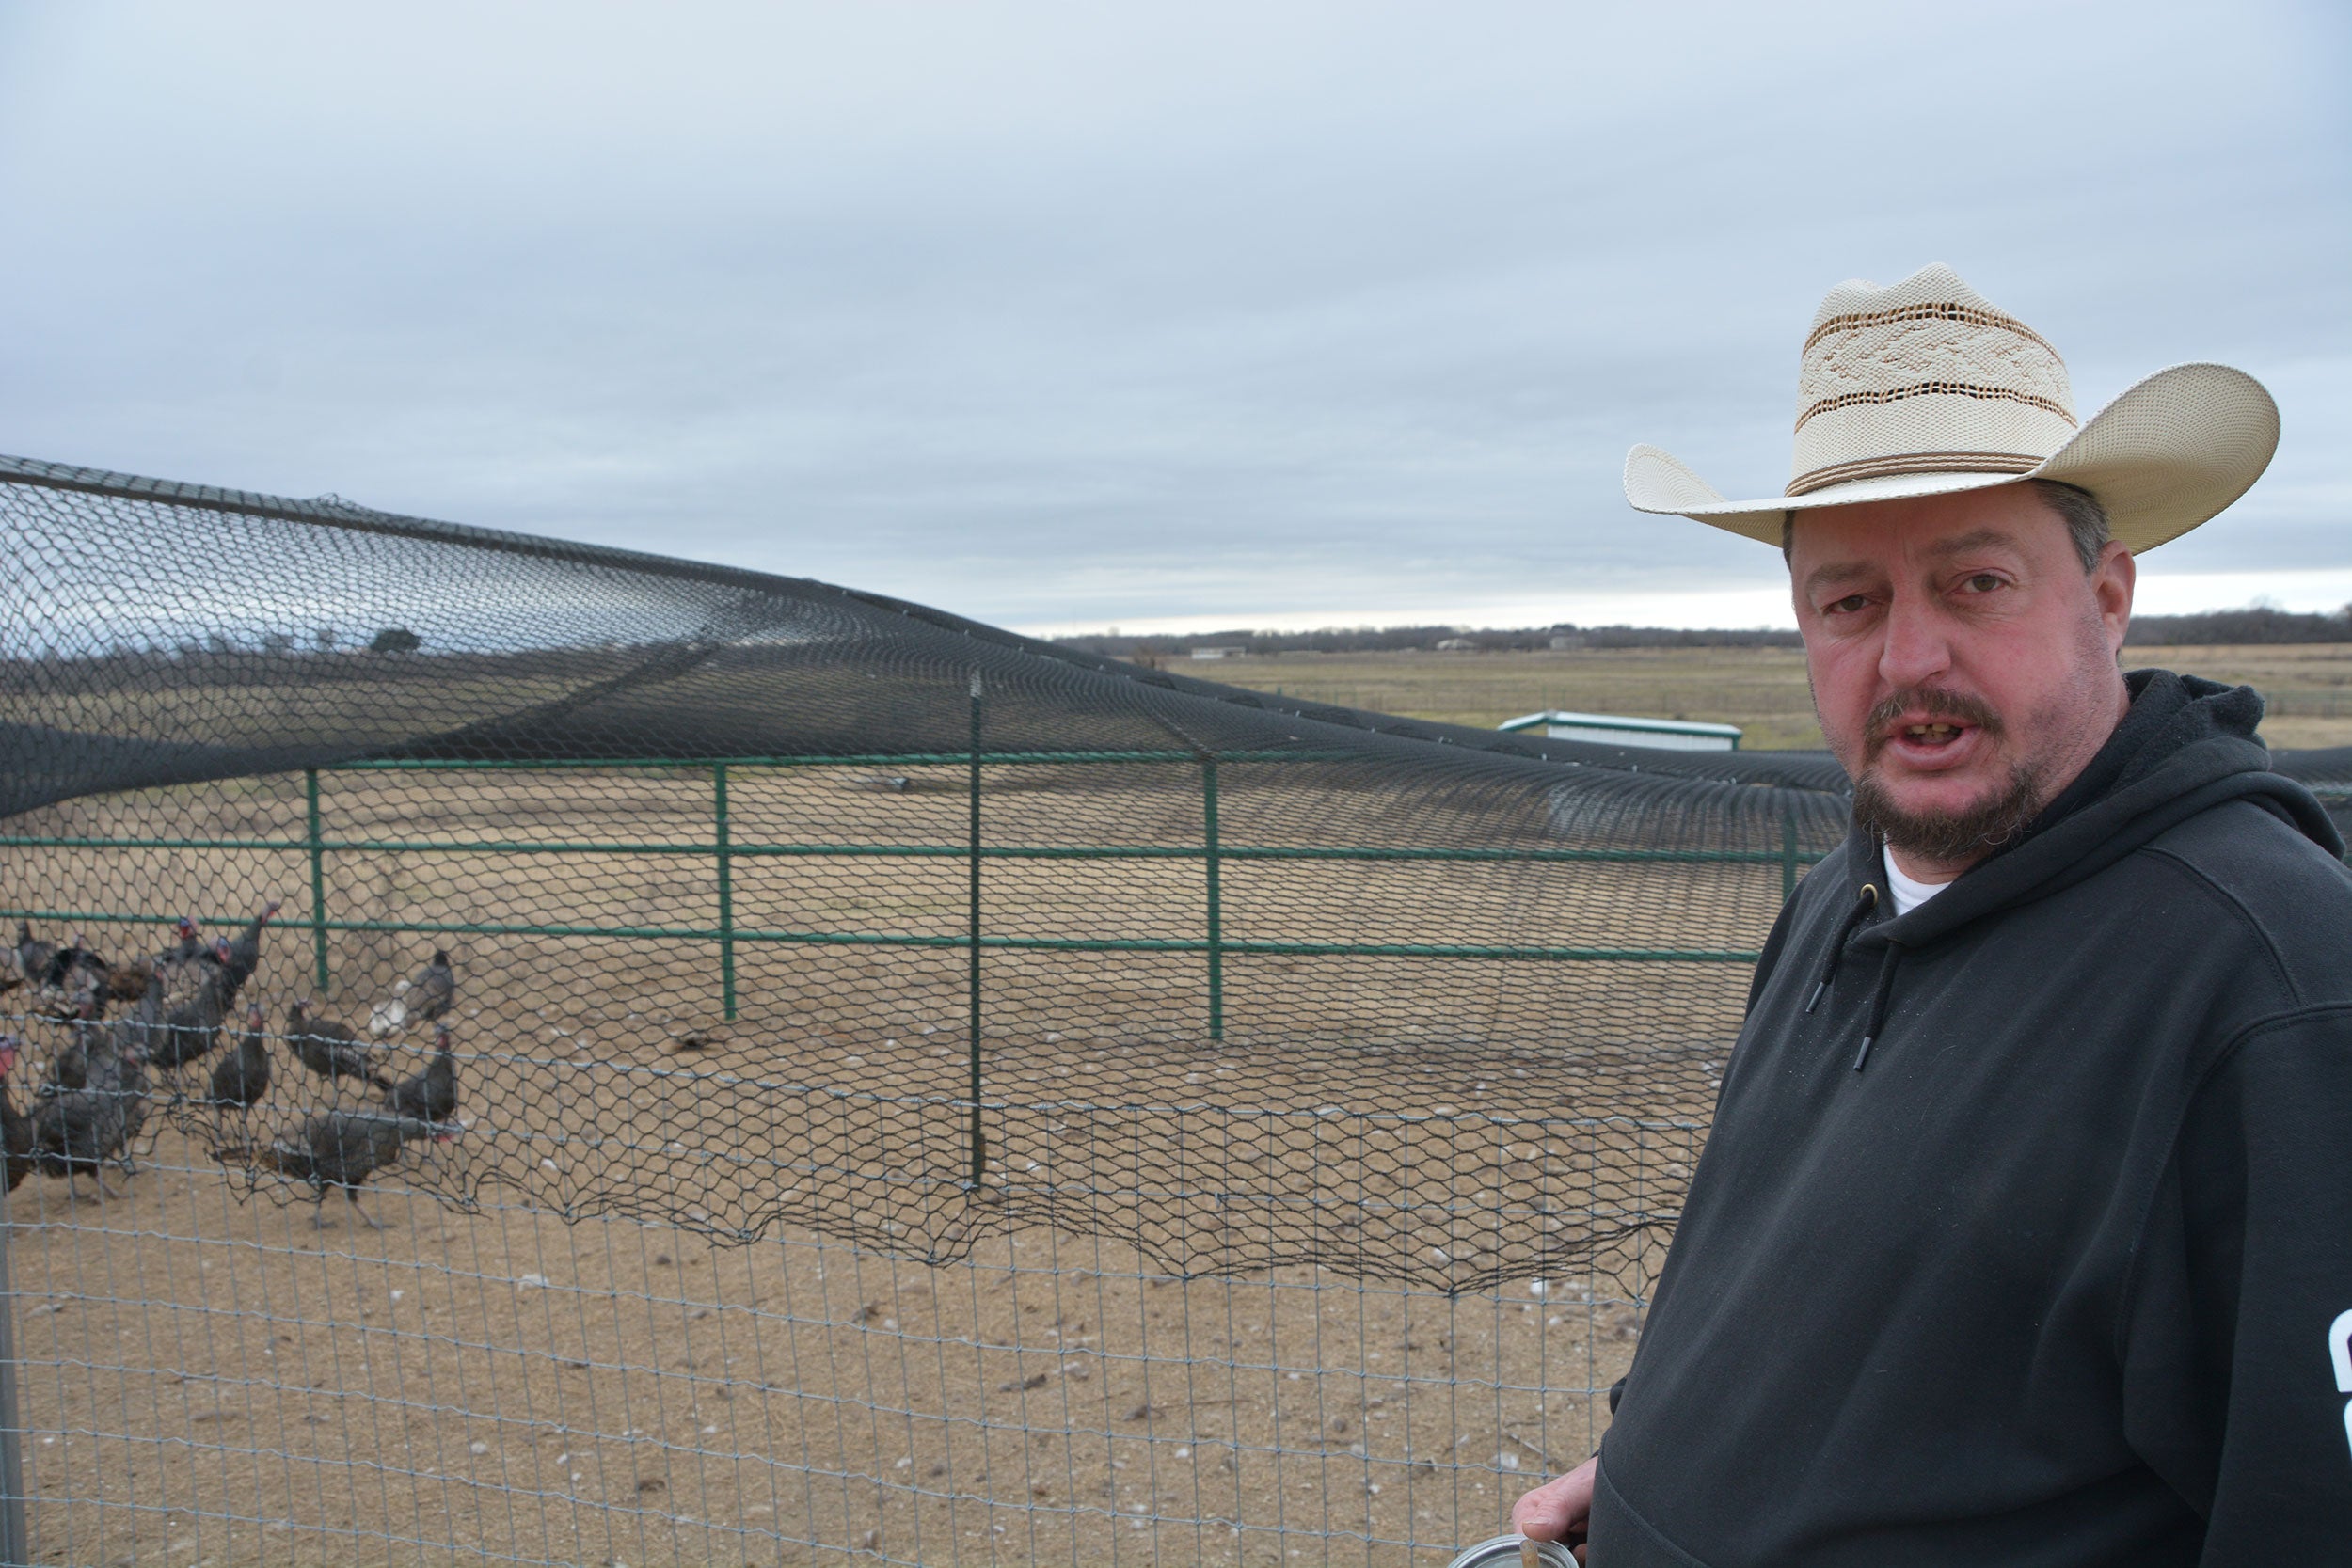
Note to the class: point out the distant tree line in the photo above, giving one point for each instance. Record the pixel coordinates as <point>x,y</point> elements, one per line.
<point>2252,625</point>
<point>1361,640</point>
<point>1673,637</point>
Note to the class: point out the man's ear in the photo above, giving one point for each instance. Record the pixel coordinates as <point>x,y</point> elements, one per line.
<point>2112,582</point>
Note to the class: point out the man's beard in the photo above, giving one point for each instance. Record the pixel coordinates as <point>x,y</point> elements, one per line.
<point>1965,835</point>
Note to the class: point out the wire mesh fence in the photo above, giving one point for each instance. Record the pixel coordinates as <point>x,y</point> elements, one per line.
<point>208,1379</point>
<point>1288,1289</point>
<point>835,1080</point>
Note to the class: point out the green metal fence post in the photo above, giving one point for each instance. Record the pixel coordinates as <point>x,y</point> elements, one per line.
<point>972,949</point>
<point>727,891</point>
<point>1216,913</point>
<point>318,877</point>
<point>1788,856</point>
<point>15,1542</point>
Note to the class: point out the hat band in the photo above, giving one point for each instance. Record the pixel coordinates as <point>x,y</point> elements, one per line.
<point>1914,463</point>
<point>1936,389</point>
<point>1935,310</point>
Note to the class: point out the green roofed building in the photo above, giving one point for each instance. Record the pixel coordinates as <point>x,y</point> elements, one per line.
<point>1616,729</point>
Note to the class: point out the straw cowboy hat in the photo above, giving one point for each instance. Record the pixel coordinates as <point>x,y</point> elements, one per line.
<point>1926,388</point>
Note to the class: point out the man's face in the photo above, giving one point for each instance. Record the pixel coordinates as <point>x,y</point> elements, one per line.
<point>1964,664</point>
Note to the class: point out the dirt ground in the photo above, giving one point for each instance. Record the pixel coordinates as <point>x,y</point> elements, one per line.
<point>1262,1298</point>
<point>207,1377</point>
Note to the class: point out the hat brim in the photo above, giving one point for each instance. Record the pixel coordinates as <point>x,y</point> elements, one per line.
<point>2170,452</point>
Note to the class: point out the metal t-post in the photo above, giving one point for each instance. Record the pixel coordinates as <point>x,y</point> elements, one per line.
<point>1216,911</point>
<point>318,877</point>
<point>727,890</point>
<point>972,951</point>
<point>15,1543</point>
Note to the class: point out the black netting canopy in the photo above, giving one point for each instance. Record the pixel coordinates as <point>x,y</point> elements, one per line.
<point>764,901</point>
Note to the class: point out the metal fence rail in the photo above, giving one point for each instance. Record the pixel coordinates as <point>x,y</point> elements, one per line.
<point>723,849</point>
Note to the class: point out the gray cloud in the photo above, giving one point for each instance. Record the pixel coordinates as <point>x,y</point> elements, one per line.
<point>1052,314</point>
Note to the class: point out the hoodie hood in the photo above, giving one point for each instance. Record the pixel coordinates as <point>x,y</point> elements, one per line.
<point>2188,744</point>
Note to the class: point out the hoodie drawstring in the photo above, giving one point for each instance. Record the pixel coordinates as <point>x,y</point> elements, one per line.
<point>1880,1000</point>
<point>1864,903</point>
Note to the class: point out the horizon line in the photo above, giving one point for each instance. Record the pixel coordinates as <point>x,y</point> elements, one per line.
<point>1146,628</point>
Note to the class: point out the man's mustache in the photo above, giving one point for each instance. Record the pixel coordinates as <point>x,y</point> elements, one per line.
<point>1955,708</point>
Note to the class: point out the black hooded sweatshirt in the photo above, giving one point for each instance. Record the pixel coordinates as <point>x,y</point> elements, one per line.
<point>2026,1241</point>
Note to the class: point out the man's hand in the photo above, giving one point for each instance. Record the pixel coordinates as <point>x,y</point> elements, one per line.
<point>1559,1509</point>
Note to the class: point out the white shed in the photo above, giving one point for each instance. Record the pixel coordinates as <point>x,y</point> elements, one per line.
<point>1617,729</point>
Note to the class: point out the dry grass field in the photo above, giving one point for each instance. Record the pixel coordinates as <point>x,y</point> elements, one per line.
<point>565,1349</point>
<point>1761,690</point>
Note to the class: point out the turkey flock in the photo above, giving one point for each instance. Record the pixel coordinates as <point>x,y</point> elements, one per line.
<point>172,1011</point>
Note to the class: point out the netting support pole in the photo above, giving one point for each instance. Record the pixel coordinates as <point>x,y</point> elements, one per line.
<point>727,890</point>
<point>1216,911</point>
<point>16,1550</point>
<point>972,949</point>
<point>1788,856</point>
<point>318,875</point>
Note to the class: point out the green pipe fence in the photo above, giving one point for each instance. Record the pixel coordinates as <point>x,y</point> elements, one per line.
<point>1040,944</point>
<point>1216,910</point>
<point>979,760</point>
<point>318,873</point>
<point>1789,858</point>
<point>727,888</point>
<point>724,848</point>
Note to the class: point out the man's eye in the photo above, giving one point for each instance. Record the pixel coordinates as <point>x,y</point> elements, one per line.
<point>1983,582</point>
<point>1851,604</point>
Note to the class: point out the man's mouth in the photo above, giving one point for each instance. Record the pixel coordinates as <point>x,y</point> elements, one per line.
<point>1930,745</point>
<point>1931,732</point>
<point>1930,729</point>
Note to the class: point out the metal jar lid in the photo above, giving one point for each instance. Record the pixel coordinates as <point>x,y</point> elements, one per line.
<point>1513,1551</point>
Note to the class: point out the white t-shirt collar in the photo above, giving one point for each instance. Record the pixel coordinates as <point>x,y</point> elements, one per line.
<point>1909,893</point>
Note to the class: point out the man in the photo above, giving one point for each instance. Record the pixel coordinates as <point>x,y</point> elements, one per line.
<point>2024,1231</point>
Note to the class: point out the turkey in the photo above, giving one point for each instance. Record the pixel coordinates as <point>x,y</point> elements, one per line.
<point>329,1049</point>
<point>16,1128</point>
<point>188,948</point>
<point>429,996</point>
<point>70,1068</point>
<point>142,1026</point>
<point>434,991</point>
<point>241,953</point>
<point>197,1004</point>
<point>124,983</point>
<point>241,1078</point>
<point>34,956</point>
<point>431,1095</point>
<point>342,1149</point>
<point>389,1016</point>
<point>55,976</point>
<point>79,1131</point>
<point>120,1072</point>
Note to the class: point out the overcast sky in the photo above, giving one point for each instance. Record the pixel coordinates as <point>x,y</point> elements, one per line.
<point>1069,315</point>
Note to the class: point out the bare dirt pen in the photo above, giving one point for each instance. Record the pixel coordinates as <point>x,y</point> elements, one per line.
<point>210,1380</point>
<point>1761,690</point>
<point>1112,1343</point>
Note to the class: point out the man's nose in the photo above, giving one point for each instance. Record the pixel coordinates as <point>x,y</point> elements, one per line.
<point>1915,650</point>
